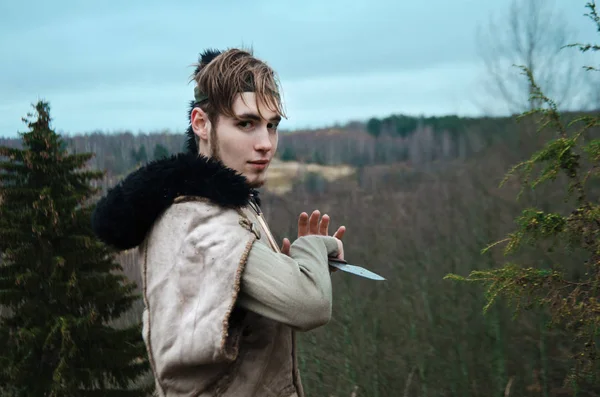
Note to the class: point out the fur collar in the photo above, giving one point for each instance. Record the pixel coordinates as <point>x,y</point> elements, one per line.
<point>123,217</point>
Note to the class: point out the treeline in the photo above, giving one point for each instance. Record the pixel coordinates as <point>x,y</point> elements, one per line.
<point>120,152</point>
<point>416,141</point>
<point>419,142</point>
<point>403,126</point>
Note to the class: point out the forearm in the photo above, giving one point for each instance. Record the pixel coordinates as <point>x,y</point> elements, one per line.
<point>294,290</point>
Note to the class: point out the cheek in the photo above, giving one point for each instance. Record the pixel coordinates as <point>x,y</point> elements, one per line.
<point>239,147</point>
<point>231,142</point>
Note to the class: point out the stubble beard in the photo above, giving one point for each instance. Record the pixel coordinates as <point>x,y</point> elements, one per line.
<point>259,183</point>
<point>214,145</point>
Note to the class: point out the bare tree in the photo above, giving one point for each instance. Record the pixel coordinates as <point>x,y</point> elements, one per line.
<point>531,33</point>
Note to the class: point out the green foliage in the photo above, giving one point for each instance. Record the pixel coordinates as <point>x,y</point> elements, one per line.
<point>318,158</point>
<point>572,303</point>
<point>160,152</point>
<point>403,126</point>
<point>534,225</point>
<point>288,154</point>
<point>60,285</point>
<point>374,127</point>
<point>314,182</point>
<point>140,155</point>
<point>452,124</point>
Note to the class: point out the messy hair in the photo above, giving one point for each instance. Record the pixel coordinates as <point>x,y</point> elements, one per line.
<point>221,75</point>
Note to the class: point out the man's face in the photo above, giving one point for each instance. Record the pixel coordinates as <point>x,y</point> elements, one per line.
<point>246,142</point>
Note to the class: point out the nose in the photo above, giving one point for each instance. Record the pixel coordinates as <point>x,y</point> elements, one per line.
<point>263,141</point>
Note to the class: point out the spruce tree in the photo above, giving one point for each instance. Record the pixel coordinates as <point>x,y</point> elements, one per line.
<point>571,159</point>
<point>59,286</point>
<point>160,152</point>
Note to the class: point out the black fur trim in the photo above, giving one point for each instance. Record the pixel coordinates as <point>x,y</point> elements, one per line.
<point>190,141</point>
<point>124,216</point>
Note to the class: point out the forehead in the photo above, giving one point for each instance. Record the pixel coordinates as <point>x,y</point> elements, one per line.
<point>245,103</point>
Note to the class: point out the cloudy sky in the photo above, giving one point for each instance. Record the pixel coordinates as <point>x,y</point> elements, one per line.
<point>112,65</point>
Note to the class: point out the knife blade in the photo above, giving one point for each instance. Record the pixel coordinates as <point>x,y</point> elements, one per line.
<point>359,271</point>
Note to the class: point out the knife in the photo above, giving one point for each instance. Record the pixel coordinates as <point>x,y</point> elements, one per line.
<point>359,271</point>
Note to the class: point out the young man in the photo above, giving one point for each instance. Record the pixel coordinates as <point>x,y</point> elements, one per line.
<point>222,300</point>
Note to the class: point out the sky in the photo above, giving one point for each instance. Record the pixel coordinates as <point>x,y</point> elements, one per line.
<point>114,65</point>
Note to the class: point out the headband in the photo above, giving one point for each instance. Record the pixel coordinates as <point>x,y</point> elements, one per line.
<point>199,96</point>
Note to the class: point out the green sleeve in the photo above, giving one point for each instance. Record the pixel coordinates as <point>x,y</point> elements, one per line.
<point>294,290</point>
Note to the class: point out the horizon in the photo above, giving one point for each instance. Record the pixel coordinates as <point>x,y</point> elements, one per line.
<point>343,125</point>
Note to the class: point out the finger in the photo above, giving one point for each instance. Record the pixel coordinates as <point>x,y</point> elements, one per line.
<point>324,225</point>
<point>340,232</point>
<point>303,224</point>
<point>285,247</point>
<point>313,222</point>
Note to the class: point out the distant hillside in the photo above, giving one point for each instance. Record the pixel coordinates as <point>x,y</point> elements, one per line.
<point>383,146</point>
<point>422,141</point>
<point>378,141</point>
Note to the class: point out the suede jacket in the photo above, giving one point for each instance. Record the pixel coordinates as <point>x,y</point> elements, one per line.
<point>215,323</point>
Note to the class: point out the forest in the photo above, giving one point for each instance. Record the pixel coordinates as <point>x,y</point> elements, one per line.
<point>424,208</point>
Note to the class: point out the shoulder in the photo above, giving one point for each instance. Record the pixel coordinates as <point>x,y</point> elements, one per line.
<point>191,214</point>
<point>202,207</point>
<point>195,223</point>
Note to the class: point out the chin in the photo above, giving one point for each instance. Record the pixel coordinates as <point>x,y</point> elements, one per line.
<point>256,181</point>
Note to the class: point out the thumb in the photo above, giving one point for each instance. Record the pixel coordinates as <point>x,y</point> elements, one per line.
<point>340,248</point>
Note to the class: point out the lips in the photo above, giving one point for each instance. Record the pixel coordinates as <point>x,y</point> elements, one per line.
<point>259,165</point>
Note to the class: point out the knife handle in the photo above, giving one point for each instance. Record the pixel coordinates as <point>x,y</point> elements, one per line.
<point>330,259</point>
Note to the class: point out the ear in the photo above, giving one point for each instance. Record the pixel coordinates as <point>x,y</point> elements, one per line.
<point>200,123</point>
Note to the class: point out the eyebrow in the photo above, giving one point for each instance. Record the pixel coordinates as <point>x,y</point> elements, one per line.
<point>256,117</point>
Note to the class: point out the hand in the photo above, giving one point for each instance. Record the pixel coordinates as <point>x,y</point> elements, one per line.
<point>312,225</point>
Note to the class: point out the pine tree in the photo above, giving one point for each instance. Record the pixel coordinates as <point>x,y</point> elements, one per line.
<point>288,154</point>
<point>60,285</point>
<point>140,156</point>
<point>160,152</point>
